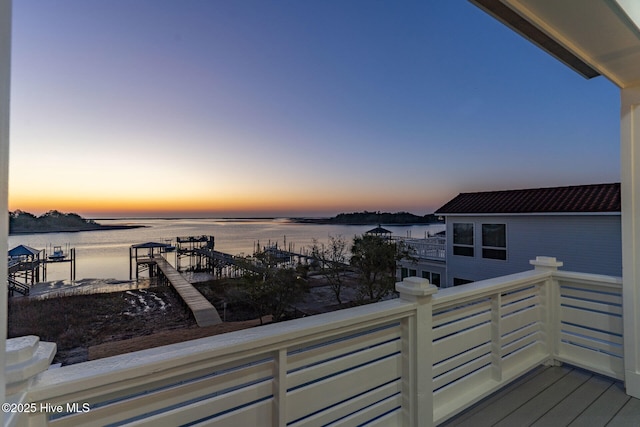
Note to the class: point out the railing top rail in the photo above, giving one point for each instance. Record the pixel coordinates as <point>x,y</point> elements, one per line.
<point>589,278</point>
<point>431,239</point>
<point>189,355</point>
<point>484,288</point>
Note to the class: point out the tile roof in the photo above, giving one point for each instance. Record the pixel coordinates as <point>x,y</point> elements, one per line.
<point>579,199</point>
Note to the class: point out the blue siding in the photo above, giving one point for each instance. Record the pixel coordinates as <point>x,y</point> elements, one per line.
<point>584,243</point>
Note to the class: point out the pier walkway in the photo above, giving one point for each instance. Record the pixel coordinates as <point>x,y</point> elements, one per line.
<point>204,312</point>
<point>224,259</point>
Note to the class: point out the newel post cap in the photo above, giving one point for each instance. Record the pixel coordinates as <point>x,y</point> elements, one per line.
<point>25,358</point>
<point>546,263</point>
<point>412,287</point>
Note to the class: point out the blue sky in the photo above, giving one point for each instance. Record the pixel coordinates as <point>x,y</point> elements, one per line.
<point>224,108</point>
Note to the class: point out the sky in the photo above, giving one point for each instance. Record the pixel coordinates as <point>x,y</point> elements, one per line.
<point>228,108</point>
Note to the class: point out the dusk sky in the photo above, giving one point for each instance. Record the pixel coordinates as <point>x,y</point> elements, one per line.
<point>290,108</point>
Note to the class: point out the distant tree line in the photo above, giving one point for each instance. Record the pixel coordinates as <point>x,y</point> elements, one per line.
<point>25,222</point>
<point>366,217</point>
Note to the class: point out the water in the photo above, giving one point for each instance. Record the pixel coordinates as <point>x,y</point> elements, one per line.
<point>104,254</point>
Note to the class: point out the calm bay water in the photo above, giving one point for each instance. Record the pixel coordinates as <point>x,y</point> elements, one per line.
<point>105,254</point>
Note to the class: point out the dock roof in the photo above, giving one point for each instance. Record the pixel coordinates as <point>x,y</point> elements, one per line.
<point>150,245</point>
<point>378,230</point>
<point>23,250</point>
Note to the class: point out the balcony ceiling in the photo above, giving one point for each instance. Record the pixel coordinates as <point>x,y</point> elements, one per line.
<point>594,37</point>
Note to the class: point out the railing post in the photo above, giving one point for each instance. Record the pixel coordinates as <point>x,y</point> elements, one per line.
<point>550,294</point>
<point>630,188</point>
<point>417,345</point>
<point>25,358</point>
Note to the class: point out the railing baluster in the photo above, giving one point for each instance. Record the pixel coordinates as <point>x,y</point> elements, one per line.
<point>409,366</point>
<point>496,334</point>
<point>280,388</point>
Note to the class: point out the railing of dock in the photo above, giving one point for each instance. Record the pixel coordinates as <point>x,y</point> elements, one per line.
<point>15,286</point>
<point>415,360</point>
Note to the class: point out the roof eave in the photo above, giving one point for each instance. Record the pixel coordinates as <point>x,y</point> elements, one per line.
<point>525,28</point>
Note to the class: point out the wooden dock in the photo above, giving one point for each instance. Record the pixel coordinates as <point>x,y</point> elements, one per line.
<point>204,312</point>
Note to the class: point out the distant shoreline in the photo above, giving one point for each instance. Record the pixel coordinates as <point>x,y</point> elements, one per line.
<point>321,221</point>
<point>75,229</point>
<point>21,222</point>
<point>373,218</point>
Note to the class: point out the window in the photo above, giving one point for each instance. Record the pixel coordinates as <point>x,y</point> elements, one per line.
<point>412,273</point>
<point>463,239</point>
<point>494,241</point>
<point>403,273</point>
<point>433,278</point>
<point>457,281</point>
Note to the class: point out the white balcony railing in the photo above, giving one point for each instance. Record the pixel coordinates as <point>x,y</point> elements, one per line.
<point>430,248</point>
<point>417,360</point>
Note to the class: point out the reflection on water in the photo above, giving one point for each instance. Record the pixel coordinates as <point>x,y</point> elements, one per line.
<point>104,254</point>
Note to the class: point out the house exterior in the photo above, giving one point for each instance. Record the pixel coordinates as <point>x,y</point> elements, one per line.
<point>428,260</point>
<point>495,233</point>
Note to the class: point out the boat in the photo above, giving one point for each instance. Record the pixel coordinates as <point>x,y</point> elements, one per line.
<point>58,254</point>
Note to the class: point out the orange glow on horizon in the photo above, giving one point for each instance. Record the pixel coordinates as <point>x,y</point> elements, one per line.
<point>93,198</point>
<point>234,206</point>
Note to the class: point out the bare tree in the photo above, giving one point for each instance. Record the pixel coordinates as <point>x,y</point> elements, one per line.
<point>333,260</point>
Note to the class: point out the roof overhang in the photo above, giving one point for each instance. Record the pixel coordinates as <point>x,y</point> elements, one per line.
<point>544,214</point>
<point>593,37</point>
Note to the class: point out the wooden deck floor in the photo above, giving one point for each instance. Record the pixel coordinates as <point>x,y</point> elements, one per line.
<point>204,312</point>
<point>555,397</point>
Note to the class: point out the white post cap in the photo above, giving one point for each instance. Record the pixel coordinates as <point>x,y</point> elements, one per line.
<point>25,358</point>
<point>412,287</point>
<point>546,263</point>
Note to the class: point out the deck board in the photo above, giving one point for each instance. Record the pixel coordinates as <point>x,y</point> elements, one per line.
<point>600,412</point>
<point>529,412</point>
<point>499,405</point>
<point>555,396</point>
<point>573,405</point>
<point>204,312</point>
<point>629,415</point>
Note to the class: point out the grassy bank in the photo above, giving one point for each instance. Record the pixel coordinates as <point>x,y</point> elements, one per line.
<point>76,323</point>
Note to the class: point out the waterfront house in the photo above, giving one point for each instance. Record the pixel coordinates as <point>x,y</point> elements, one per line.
<point>427,259</point>
<point>414,361</point>
<point>495,233</point>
